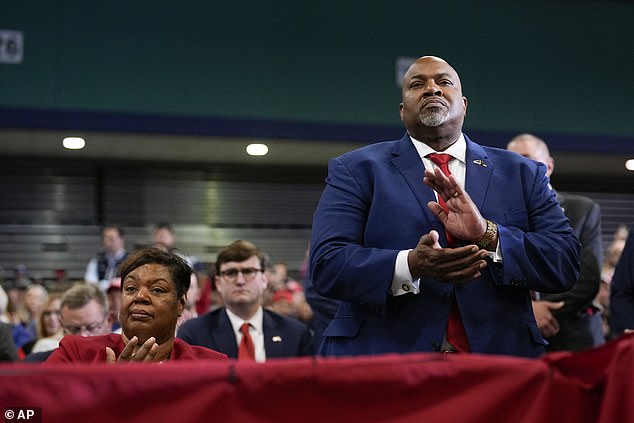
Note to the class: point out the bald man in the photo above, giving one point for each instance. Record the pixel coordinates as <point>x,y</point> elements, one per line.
<point>433,242</point>
<point>569,320</point>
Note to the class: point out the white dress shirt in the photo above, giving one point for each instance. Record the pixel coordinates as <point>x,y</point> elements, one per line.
<point>402,282</point>
<point>256,330</point>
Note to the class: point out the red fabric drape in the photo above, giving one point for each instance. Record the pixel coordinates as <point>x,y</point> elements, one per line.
<point>591,386</point>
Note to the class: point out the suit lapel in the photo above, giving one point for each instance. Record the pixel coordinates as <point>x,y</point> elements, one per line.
<point>224,337</point>
<point>478,172</point>
<point>410,165</point>
<point>274,342</point>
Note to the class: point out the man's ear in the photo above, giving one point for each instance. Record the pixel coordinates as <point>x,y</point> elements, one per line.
<point>464,101</point>
<point>265,279</point>
<point>400,111</point>
<point>550,166</point>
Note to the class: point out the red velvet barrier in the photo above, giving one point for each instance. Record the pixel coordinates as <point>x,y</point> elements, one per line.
<point>591,386</point>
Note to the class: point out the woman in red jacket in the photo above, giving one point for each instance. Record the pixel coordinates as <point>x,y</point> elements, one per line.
<point>154,287</point>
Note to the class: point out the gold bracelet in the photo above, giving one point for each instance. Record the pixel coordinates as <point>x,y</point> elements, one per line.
<point>489,234</point>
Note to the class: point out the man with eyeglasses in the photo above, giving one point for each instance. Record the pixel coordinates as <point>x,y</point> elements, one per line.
<point>243,329</point>
<point>84,311</point>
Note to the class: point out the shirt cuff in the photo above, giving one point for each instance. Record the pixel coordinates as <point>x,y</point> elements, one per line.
<point>496,255</point>
<point>402,280</point>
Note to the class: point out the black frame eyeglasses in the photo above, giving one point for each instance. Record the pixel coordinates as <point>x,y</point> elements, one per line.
<point>91,329</point>
<point>248,273</point>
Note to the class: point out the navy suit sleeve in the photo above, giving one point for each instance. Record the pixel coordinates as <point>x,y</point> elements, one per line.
<point>539,248</point>
<point>622,290</point>
<point>339,251</point>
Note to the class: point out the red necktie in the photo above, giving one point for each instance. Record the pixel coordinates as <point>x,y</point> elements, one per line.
<point>456,334</point>
<point>442,160</point>
<point>246,350</point>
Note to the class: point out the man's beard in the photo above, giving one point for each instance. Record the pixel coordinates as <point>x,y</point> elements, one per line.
<point>433,116</point>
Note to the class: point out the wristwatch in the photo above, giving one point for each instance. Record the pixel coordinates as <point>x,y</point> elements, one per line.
<point>489,234</point>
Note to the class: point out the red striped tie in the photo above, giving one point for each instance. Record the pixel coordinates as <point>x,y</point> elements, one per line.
<point>456,334</point>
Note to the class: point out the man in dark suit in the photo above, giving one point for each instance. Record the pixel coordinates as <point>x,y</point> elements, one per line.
<point>622,290</point>
<point>569,320</point>
<point>241,280</point>
<point>417,275</point>
<point>8,350</point>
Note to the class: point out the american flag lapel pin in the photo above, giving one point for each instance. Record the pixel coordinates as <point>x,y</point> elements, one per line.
<point>480,163</point>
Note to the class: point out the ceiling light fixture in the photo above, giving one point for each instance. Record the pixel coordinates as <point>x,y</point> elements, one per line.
<point>257,149</point>
<point>74,143</point>
<point>629,164</point>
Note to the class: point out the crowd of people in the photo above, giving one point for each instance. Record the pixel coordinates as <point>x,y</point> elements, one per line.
<point>431,242</point>
<point>38,325</point>
<point>245,285</point>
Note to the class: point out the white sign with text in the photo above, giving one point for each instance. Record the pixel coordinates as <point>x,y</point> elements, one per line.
<point>11,46</point>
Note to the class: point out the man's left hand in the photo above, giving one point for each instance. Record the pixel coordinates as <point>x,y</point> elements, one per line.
<point>463,219</point>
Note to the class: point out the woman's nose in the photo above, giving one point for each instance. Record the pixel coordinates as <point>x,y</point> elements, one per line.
<point>141,294</point>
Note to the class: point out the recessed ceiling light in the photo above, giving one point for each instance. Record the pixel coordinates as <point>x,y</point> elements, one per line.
<point>629,164</point>
<point>257,149</point>
<point>74,143</point>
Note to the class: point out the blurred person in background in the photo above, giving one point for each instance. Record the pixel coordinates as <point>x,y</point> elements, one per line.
<point>193,295</point>
<point>114,301</point>
<point>4,306</point>
<point>243,329</point>
<point>612,256</point>
<point>569,320</point>
<point>8,350</point>
<point>27,315</point>
<point>622,291</point>
<point>102,268</point>
<point>50,329</point>
<point>83,311</point>
<point>163,236</point>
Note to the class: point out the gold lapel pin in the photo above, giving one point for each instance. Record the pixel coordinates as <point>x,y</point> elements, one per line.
<point>277,339</point>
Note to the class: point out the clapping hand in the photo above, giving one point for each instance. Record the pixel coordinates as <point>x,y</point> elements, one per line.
<point>132,353</point>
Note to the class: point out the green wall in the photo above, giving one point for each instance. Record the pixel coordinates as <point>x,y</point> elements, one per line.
<point>558,66</point>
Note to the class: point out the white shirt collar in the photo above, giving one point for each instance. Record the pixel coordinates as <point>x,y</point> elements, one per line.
<point>255,320</point>
<point>458,149</point>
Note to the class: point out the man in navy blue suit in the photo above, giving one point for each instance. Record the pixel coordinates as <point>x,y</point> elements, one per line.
<point>241,280</point>
<point>427,256</point>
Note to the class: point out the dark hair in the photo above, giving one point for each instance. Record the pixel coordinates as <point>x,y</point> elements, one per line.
<point>239,251</point>
<point>164,225</point>
<point>178,267</point>
<point>117,228</point>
